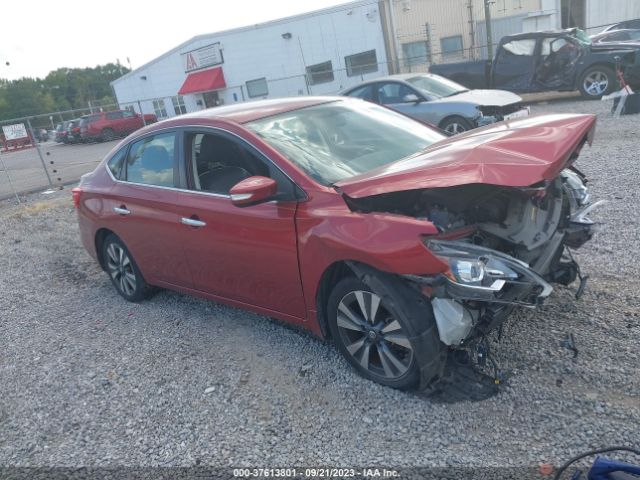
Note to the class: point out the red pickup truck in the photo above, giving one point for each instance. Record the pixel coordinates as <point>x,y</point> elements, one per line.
<point>105,126</point>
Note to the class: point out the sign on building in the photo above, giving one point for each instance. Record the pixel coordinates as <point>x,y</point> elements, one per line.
<point>14,132</point>
<point>202,57</point>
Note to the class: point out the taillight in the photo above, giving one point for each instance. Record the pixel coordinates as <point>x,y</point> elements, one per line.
<point>75,193</point>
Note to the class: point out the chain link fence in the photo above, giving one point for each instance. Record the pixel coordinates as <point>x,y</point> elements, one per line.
<point>426,33</point>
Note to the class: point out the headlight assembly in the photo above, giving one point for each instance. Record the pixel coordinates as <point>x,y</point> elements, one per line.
<point>473,266</point>
<point>481,274</point>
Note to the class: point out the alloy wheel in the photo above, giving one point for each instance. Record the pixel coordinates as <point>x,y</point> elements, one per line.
<point>121,269</point>
<point>596,83</point>
<point>455,128</point>
<point>372,336</point>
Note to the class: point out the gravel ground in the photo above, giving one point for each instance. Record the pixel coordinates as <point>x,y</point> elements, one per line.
<point>90,380</point>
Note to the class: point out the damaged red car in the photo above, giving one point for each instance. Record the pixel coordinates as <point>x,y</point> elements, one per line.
<point>348,219</point>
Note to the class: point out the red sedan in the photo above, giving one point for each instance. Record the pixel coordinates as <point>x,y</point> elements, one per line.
<point>348,219</point>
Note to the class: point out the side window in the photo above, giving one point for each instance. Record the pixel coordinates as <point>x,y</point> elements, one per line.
<point>114,115</point>
<point>219,162</point>
<point>524,47</point>
<point>617,37</point>
<point>365,93</point>
<point>116,162</point>
<point>390,93</point>
<point>127,114</point>
<point>150,161</point>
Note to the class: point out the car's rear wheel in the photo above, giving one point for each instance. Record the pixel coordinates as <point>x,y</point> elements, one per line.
<point>107,135</point>
<point>123,271</point>
<point>455,125</point>
<point>597,81</point>
<point>370,335</point>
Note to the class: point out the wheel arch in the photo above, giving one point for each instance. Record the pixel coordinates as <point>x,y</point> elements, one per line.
<point>332,275</point>
<point>599,63</point>
<point>99,239</point>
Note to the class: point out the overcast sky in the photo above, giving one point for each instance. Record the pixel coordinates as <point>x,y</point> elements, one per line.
<point>39,36</point>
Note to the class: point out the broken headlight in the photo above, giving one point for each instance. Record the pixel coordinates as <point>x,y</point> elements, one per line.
<point>575,188</point>
<point>472,266</point>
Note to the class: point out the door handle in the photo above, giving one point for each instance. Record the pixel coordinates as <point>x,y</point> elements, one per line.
<point>192,222</point>
<point>121,210</point>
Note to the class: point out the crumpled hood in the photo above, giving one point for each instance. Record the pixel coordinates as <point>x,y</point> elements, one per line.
<point>497,98</point>
<point>516,153</point>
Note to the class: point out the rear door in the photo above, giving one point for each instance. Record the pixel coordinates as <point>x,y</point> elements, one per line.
<point>244,254</point>
<point>143,210</point>
<point>130,121</point>
<point>115,122</point>
<point>514,65</point>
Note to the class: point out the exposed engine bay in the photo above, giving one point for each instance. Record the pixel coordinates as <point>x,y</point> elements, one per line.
<point>504,246</point>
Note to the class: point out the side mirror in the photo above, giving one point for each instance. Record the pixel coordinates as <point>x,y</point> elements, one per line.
<point>411,98</point>
<point>253,190</point>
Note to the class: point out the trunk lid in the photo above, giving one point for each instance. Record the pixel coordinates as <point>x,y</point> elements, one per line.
<point>517,153</point>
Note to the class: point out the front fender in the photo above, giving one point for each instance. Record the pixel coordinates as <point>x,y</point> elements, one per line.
<point>328,232</point>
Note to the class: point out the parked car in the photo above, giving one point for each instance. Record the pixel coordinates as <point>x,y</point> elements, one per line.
<point>632,24</point>
<point>61,132</point>
<point>105,126</point>
<point>41,134</point>
<point>437,101</point>
<point>73,131</point>
<point>631,37</point>
<point>345,218</point>
<point>564,60</point>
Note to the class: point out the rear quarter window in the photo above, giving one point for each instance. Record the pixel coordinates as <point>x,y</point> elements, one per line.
<point>116,162</point>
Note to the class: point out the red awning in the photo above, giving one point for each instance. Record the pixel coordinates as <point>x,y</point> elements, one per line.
<point>204,81</point>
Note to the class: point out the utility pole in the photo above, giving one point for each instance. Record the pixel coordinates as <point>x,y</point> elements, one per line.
<point>487,20</point>
<point>472,32</point>
<point>394,37</point>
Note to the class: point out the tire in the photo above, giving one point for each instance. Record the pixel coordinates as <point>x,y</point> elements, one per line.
<point>455,124</point>
<point>597,81</point>
<point>123,270</point>
<point>107,135</point>
<point>378,356</point>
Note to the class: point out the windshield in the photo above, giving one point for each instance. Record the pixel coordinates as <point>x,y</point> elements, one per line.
<point>581,36</point>
<point>339,140</point>
<point>436,86</point>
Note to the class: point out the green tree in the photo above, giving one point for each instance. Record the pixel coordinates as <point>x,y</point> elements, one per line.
<point>62,89</point>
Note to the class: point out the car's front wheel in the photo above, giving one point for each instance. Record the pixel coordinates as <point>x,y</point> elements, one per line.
<point>370,335</point>
<point>597,81</point>
<point>123,271</point>
<point>455,125</point>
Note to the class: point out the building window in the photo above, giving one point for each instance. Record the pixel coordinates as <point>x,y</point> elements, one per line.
<point>159,108</point>
<point>178,105</point>
<point>320,73</point>
<point>416,53</point>
<point>361,63</point>
<point>451,46</point>
<point>257,87</point>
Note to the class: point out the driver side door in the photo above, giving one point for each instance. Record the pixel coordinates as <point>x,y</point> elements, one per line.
<point>405,99</point>
<point>245,254</point>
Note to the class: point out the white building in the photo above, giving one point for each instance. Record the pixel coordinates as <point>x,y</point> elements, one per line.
<point>319,52</point>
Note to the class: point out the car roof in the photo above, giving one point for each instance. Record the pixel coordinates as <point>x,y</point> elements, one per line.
<point>609,32</point>
<point>403,77</point>
<point>250,111</point>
